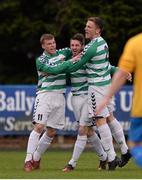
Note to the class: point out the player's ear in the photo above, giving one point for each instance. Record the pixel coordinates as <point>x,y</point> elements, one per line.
<point>43,47</point>
<point>98,30</point>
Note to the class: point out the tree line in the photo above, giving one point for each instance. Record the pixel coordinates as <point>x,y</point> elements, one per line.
<point>22,22</point>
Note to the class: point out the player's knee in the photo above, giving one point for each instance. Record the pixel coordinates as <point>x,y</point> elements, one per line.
<point>91,132</point>
<point>38,128</point>
<point>110,118</point>
<point>101,122</point>
<point>82,130</point>
<point>51,132</point>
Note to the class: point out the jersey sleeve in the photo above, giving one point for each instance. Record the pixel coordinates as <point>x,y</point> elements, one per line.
<point>52,68</point>
<point>127,58</point>
<point>113,69</point>
<point>85,57</point>
<point>66,52</point>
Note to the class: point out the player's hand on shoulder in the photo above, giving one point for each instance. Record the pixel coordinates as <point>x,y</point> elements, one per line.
<point>76,58</point>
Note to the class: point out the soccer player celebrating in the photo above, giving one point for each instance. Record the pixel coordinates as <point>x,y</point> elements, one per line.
<point>130,61</point>
<point>48,113</point>
<point>79,99</point>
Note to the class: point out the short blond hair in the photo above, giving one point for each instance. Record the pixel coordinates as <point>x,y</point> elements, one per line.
<point>46,36</point>
<point>98,21</point>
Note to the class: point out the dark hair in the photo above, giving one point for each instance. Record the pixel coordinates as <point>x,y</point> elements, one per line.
<point>79,37</point>
<point>46,36</point>
<point>98,21</point>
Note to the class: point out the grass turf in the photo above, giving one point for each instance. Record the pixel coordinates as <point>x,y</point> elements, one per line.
<point>53,161</point>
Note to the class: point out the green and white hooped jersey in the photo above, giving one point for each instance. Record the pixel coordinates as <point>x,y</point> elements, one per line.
<point>47,80</point>
<point>98,67</point>
<point>96,57</point>
<point>79,82</point>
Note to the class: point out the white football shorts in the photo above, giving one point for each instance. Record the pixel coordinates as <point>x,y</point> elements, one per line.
<point>80,108</point>
<point>99,92</point>
<point>49,110</point>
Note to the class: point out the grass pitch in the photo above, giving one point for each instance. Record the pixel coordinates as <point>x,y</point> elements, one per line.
<point>11,167</point>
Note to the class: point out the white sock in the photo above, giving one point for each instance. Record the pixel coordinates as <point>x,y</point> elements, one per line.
<point>78,149</point>
<point>118,135</point>
<point>95,142</point>
<point>43,145</point>
<point>106,139</point>
<point>32,144</point>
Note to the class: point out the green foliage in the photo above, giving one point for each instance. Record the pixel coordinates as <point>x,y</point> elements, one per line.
<point>23,22</point>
